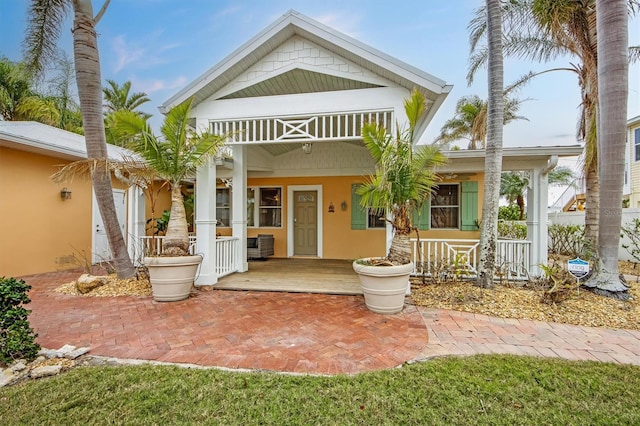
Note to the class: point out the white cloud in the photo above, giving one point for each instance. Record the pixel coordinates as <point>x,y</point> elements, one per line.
<point>348,24</point>
<point>156,85</point>
<point>125,54</point>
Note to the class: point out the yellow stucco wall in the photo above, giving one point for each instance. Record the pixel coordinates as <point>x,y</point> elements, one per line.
<point>339,240</point>
<point>41,232</point>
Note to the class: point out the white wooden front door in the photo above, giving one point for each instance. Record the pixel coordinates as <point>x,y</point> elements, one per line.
<point>101,251</point>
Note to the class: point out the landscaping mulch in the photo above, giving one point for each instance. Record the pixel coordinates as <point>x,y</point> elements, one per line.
<point>581,308</point>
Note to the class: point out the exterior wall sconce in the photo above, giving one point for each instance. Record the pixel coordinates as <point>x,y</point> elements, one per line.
<point>343,206</point>
<point>331,208</point>
<point>65,193</point>
<point>306,147</point>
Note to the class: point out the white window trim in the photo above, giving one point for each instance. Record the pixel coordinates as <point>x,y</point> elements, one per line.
<point>256,207</point>
<point>230,207</point>
<point>458,206</point>
<point>290,201</point>
<point>636,143</point>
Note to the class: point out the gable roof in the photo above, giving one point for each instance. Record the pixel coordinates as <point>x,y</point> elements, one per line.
<point>47,140</point>
<point>294,23</point>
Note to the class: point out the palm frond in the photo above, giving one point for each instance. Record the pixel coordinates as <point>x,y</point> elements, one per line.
<point>45,21</point>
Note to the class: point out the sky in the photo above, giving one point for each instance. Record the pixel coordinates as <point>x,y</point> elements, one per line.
<point>162,45</point>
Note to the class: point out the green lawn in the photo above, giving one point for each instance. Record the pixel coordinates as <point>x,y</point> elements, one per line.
<point>478,390</point>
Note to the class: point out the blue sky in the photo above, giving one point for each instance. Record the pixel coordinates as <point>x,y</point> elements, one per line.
<point>161,45</point>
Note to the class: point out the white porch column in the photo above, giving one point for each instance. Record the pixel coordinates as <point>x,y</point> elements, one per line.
<point>206,222</point>
<point>135,224</point>
<point>537,216</point>
<point>239,204</point>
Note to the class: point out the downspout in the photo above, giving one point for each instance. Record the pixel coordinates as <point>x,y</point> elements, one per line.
<point>551,164</point>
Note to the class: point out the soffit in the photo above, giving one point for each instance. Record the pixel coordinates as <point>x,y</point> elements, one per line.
<point>299,81</point>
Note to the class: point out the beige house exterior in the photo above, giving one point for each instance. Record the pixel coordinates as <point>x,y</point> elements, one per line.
<point>633,171</point>
<point>294,97</point>
<point>42,231</point>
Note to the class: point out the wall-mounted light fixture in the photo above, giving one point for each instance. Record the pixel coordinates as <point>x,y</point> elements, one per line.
<point>65,193</point>
<point>331,208</point>
<point>343,206</point>
<point>306,147</point>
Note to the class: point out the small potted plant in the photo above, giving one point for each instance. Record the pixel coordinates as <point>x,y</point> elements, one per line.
<point>173,157</point>
<point>401,183</point>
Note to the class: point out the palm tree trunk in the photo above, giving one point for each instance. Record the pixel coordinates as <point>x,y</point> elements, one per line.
<point>493,156</point>
<point>400,250</point>
<point>176,240</point>
<point>612,85</point>
<point>592,212</point>
<point>520,202</point>
<point>87,62</point>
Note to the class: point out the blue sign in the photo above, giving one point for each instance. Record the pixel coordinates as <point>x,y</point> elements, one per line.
<point>578,267</point>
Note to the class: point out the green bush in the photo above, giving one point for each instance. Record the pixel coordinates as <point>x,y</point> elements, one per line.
<point>510,212</point>
<point>568,240</point>
<point>511,230</point>
<point>17,339</point>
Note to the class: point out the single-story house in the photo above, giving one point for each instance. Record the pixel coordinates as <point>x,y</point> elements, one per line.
<point>294,97</point>
<point>49,226</point>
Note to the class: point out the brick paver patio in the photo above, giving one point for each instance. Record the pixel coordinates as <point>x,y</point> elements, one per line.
<point>298,332</point>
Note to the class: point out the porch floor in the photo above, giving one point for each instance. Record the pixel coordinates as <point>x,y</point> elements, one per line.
<point>295,275</point>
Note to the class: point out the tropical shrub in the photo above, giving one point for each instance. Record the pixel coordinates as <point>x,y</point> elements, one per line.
<point>511,230</point>
<point>631,230</point>
<point>568,240</point>
<point>510,212</point>
<point>17,338</point>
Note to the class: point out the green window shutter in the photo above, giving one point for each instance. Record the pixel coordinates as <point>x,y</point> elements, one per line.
<point>469,206</point>
<point>422,221</point>
<point>358,213</point>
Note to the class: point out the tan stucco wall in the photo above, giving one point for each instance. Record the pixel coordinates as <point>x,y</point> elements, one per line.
<point>41,232</point>
<point>339,240</point>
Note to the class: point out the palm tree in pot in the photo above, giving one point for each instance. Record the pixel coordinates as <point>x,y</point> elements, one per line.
<point>174,156</point>
<point>402,181</point>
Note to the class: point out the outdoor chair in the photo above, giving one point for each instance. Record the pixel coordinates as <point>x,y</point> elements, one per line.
<point>260,247</point>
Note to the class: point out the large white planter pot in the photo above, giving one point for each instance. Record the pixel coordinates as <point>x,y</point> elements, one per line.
<point>172,277</point>
<point>384,287</point>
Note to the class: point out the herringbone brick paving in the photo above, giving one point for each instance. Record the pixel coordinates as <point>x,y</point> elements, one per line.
<point>298,332</point>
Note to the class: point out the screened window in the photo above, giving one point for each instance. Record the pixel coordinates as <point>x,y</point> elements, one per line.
<point>445,207</point>
<point>636,144</point>
<point>223,207</point>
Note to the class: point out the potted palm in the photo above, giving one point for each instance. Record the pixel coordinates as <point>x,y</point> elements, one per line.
<point>401,183</point>
<point>174,156</point>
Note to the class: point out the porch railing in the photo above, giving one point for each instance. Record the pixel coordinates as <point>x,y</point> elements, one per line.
<point>226,251</point>
<point>226,255</point>
<point>153,245</point>
<point>306,128</point>
<point>460,257</point>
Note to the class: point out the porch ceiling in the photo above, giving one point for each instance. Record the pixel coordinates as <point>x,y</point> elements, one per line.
<point>299,81</point>
<point>277,149</point>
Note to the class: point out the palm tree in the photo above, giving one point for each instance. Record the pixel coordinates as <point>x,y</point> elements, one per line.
<point>612,110</point>
<point>18,100</point>
<point>545,30</point>
<point>63,95</point>
<point>470,120</point>
<point>118,98</point>
<point>513,185</point>
<point>493,157</point>
<point>403,178</point>
<point>173,157</point>
<point>45,22</point>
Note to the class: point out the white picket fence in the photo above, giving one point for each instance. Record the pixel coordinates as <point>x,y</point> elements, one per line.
<point>461,256</point>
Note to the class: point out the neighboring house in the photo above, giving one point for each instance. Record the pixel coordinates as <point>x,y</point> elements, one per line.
<point>632,171</point>
<point>48,226</point>
<point>294,97</point>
